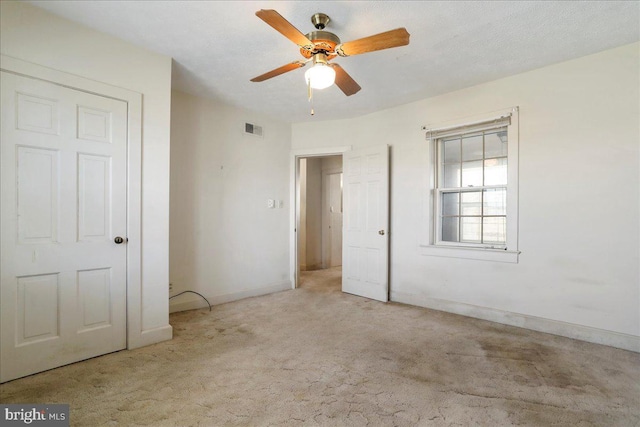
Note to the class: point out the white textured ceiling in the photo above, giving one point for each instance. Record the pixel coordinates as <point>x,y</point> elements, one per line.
<point>218,46</point>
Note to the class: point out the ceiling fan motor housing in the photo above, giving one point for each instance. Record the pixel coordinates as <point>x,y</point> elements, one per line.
<point>323,41</point>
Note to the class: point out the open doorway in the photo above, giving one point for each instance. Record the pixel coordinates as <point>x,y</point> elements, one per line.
<point>319,220</point>
<point>365,233</point>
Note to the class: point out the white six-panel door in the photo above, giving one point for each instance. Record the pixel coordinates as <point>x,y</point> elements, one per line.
<point>365,270</point>
<point>63,182</point>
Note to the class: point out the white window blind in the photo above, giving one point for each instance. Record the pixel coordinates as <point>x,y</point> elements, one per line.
<point>498,122</point>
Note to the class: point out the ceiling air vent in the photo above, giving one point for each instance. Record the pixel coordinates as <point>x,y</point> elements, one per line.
<point>253,129</point>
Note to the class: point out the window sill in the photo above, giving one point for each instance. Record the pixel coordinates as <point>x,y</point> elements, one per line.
<point>480,254</point>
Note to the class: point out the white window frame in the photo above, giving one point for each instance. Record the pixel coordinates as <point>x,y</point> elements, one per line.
<point>501,253</point>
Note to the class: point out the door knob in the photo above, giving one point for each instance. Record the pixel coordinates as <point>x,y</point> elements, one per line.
<point>119,240</point>
<point>381,232</point>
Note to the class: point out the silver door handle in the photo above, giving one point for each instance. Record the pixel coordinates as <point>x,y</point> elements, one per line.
<point>381,232</point>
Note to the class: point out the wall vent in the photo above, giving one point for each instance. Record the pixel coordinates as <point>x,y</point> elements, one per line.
<point>252,129</point>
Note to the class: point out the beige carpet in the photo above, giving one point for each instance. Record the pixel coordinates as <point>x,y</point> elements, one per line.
<point>315,356</point>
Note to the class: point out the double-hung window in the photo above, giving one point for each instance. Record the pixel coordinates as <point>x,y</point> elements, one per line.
<point>474,197</point>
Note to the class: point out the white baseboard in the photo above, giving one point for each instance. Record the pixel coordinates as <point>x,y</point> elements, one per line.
<point>151,336</point>
<point>193,301</point>
<point>565,329</point>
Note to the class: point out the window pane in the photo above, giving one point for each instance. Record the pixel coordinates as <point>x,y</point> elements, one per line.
<point>450,229</point>
<point>452,175</point>
<point>495,201</point>
<point>495,144</point>
<point>495,171</point>
<point>451,150</point>
<point>450,205</point>
<point>470,229</point>
<point>472,148</point>
<point>472,174</point>
<point>471,203</point>
<point>494,230</point>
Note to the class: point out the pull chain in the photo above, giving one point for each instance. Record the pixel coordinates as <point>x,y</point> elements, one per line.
<point>310,93</point>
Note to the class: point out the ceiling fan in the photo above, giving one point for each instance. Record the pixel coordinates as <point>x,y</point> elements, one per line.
<point>320,47</point>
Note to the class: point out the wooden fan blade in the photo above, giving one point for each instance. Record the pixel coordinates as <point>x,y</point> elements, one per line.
<point>344,81</point>
<point>281,70</point>
<point>393,38</point>
<point>284,27</point>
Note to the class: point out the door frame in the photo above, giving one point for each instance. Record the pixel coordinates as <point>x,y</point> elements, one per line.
<point>135,337</point>
<point>294,200</point>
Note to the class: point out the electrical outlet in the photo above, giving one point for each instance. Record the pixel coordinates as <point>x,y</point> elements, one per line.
<point>170,287</point>
<point>271,203</point>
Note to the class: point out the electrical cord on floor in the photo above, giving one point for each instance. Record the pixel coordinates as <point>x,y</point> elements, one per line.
<point>193,292</point>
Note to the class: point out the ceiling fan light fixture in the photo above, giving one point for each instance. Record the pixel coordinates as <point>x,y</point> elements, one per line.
<point>321,75</point>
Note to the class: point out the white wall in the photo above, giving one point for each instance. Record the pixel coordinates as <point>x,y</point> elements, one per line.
<point>312,249</point>
<point>331,164</point>
<point>302,209</point>
<point>313,256</point>
<point>579,232</point>
<point>225,242</point>
<point>32,34</point>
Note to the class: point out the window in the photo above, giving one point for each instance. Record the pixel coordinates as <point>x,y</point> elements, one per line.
<point>474,196</point>
<point>472,188</point>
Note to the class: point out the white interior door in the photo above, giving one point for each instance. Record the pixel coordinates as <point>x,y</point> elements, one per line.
<point>63,181</point>
<point>365,270</point>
